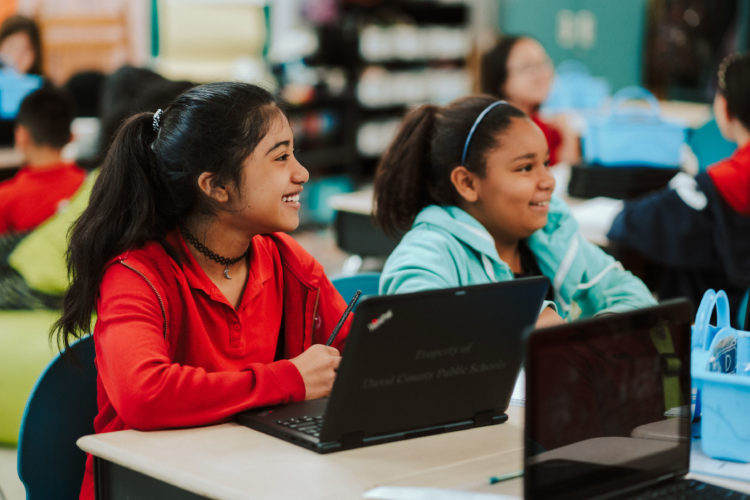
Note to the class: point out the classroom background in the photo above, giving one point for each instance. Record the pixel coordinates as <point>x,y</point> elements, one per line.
<point>348,70</point>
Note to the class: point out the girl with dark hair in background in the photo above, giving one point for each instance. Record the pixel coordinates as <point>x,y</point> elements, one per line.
<point>695,231</point>
<point>203,308</point>
<point>470,185</point>
<point>21,45</point>
<point>519,70</point>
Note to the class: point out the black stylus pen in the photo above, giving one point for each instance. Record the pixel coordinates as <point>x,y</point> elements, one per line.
<point>344,316</point>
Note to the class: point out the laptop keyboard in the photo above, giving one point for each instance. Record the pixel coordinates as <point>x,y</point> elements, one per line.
<point>306,423</point>
<point>690,488</point>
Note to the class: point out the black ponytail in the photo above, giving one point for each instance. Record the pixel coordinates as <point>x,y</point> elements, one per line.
<point>121,214</point>
<point>401,178</point>
<point>149,182</point>
<point>415,169</point>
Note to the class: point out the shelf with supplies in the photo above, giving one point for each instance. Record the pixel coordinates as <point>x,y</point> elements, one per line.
<point>408,53</point>
<point>372,63</point>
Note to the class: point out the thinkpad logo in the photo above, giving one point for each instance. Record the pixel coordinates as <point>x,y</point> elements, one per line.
<point>378,322</point>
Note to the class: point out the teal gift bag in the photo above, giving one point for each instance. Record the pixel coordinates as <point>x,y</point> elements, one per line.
<point>574,88</point>
<point>633,135</point>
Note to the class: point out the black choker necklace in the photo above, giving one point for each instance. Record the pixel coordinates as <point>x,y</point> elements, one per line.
<point>226,261</point>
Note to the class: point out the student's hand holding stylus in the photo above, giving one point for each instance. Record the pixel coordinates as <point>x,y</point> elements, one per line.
<point>318,365</point>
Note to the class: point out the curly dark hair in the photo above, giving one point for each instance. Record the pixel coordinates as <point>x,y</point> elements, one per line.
<point>733,83</point>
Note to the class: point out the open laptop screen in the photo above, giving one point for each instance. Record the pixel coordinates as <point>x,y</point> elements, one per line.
<point>607,403</point>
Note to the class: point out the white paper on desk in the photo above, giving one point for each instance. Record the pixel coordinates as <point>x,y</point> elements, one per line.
<point>419,493</point>
<point>595,217</point>
<point>703,464</point>
<point>518,398</point>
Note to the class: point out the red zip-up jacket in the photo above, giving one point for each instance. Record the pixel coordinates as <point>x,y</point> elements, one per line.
<point>172,352</point>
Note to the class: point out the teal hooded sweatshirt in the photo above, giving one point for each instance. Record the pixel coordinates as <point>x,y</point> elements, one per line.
<point>447,247</point>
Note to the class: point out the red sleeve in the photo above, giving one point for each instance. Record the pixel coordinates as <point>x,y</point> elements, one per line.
<point>148,389</point>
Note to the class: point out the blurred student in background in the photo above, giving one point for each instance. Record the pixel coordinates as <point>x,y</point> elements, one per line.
<point>21,45</point>
<point>33,273</point>
<point>518,70</point>
<point>696,230</point>
<point>469,184</point>
<point>46,180</point>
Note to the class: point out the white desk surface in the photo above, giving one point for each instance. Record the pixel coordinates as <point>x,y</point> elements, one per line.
<point>358,202</point>
<point>692,114</point>
<point>230,461</point>
<point>10,158</point>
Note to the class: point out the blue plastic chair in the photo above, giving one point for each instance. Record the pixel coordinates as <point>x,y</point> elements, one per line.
<point>348,285</point>
<point>708,144</point>
<point>60,409</point>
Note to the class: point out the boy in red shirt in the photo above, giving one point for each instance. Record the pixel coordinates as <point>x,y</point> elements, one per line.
<point>45,181</point>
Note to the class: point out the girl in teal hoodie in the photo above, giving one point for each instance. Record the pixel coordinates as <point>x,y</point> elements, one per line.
<point>469,184</point>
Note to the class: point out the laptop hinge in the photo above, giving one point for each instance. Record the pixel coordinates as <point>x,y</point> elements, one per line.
<point>485,417</point>
<point>352,439</point>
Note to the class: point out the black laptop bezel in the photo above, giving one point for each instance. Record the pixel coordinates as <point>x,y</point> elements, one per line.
<point>677,312</point>
<point>537,286</point>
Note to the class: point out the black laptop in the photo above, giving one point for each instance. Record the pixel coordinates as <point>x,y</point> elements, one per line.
<point>608,408</point>
<point>416,364</point>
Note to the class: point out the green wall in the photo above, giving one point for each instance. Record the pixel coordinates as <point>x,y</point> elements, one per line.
<point>615,49</point>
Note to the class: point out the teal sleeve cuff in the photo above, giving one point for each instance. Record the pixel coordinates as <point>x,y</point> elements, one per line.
<point>548,303</point>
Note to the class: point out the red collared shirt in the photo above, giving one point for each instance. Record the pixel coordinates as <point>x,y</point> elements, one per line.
<point>172,352</point>
<point>34,194</point>
<point>553,136</point>
<point>732,179</point>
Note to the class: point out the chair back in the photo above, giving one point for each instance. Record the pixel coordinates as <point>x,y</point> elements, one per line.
<point>60,409</point>
<point>708,145</point>
<point>348,285</point>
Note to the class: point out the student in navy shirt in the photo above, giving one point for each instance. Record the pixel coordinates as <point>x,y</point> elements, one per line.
<point>696,231</point>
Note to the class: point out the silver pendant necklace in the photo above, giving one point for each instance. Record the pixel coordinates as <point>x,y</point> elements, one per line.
<point>226,261</point>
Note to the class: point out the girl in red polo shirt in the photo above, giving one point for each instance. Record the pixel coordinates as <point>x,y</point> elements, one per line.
<point>518,70</point>
<point>204,307</point>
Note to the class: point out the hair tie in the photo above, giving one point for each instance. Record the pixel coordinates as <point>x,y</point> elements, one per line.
<point>157,118</point>
<point>474,127</point>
